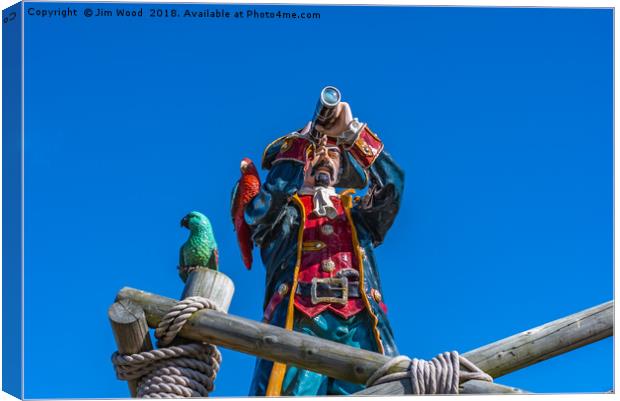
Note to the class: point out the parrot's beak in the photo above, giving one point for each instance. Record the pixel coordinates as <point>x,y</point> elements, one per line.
<point>185,222</point>
<point>243,165</point>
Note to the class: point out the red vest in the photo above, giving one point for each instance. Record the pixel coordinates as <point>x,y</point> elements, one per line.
<point>327,249</point>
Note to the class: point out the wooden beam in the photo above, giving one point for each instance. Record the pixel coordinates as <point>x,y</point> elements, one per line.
<point>544,342</point>
<point>264,340</point>
<point>130,331</point>
<point>274,343</point>
<point>482,387</point>
<point>337,360</point>
<point>524,349</point>
<point>403,387</point>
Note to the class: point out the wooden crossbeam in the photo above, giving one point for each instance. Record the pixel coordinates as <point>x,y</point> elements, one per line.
<point>356,365</point>
<point>546,341</point>
<point>524,349</point>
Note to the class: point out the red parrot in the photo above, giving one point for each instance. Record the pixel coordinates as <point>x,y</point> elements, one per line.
<point>245,190</point>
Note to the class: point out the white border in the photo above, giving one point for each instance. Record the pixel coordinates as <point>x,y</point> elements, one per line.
<point>478,3</point>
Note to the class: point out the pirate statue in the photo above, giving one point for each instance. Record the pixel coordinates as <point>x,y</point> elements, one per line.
<point>317,244</point>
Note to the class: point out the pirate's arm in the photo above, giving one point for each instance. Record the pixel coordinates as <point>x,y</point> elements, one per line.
<point>378,209</point>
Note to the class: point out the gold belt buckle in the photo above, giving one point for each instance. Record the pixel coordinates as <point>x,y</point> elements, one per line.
<point>343,285</point>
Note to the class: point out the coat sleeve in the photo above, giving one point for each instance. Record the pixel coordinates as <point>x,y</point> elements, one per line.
<point>379,207</point>
<point>267,209</point>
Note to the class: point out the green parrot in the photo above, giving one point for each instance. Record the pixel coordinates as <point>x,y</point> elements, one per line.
<point>200,249</point>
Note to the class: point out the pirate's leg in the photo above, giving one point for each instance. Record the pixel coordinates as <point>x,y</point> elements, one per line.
<point>356,332</point>
<point>262,371</point>
<point>299,381</point>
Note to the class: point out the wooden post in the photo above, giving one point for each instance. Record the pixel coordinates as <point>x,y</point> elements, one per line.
<point>356,365</point>
<point>207,283</point>
<point>130,331</point>
<point>211,284</point>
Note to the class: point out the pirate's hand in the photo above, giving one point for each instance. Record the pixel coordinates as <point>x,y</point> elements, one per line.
<point>321,149</point>
<point>339,123</point>
<point>317,152</point>
<point>343,126</point>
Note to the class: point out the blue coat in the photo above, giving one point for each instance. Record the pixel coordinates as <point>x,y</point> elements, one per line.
<point>275,217</point>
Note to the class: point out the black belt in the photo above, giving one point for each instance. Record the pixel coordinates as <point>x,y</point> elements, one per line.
<point>331,290</point>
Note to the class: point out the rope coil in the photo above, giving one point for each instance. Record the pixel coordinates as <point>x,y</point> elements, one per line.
<point>187,370</point>
<point>440,375</point>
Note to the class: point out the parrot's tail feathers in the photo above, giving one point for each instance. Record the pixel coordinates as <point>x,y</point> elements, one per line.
<point>214,261</point>
<point>246,255</point>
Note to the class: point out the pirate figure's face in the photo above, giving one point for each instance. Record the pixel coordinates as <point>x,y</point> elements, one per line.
<point>324,166</point>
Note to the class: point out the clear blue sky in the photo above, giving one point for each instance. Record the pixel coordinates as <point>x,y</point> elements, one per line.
<point>501,118</point>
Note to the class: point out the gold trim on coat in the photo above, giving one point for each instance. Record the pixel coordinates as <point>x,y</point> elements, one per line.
<point>276,377</point>
<point>347,203</point>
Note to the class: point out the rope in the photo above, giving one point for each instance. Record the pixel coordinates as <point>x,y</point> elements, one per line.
<point>174,320</point>
<point>440,375</point>
<point>187,370</point>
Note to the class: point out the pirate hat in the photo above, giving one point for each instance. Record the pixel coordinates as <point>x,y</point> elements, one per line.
<point>352,174</point>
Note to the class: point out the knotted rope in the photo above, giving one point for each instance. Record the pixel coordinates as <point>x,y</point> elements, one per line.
<point>187,370</point>
<point>440,375</point>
